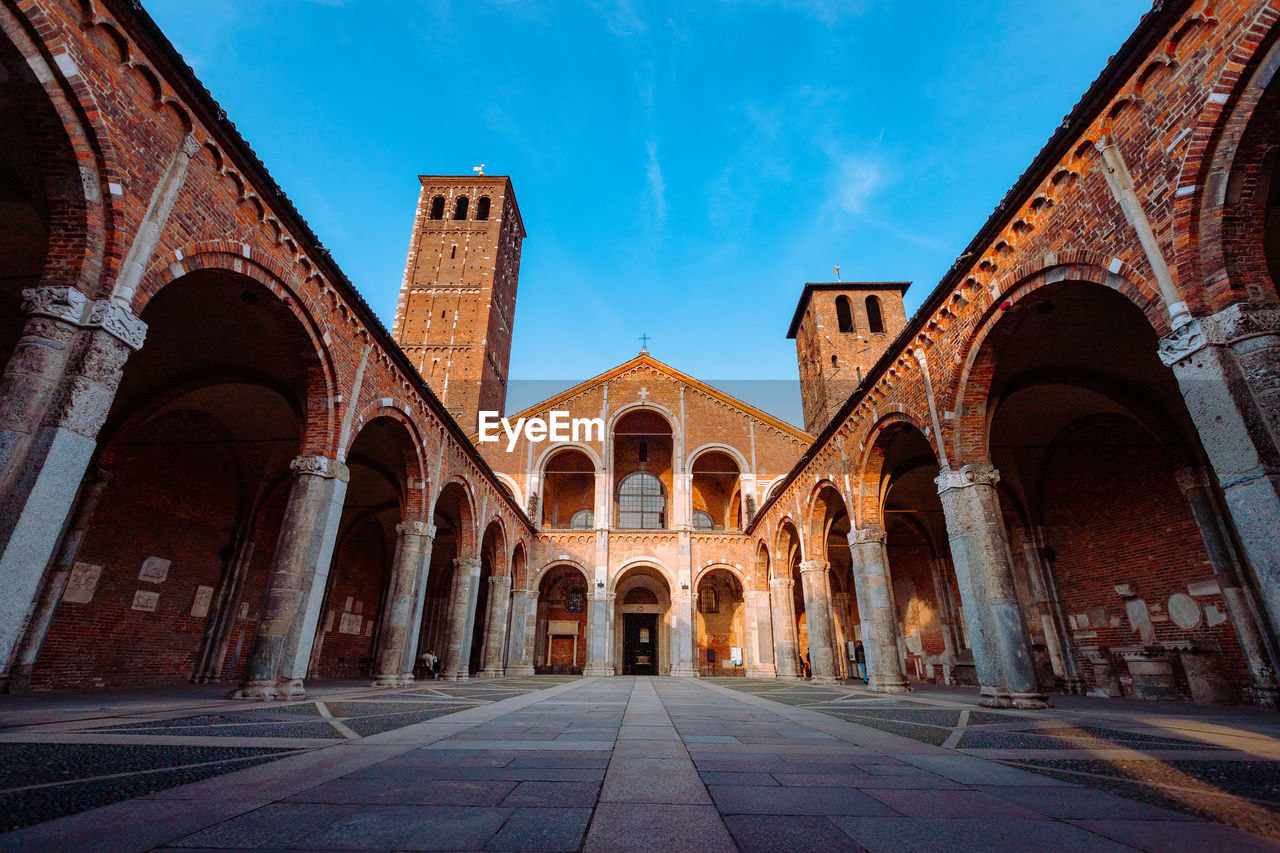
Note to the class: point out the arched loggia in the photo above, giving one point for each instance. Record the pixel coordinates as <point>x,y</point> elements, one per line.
<point>1088,431</point>
<point>200,439</point>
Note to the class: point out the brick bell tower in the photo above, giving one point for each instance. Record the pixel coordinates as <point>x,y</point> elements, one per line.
<point>841,329</point>
<point>458,298</point>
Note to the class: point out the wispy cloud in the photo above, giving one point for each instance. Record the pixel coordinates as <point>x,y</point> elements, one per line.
<point>657,186</point>
<point>620,16</point>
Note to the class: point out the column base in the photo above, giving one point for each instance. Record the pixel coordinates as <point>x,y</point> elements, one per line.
<point>264,690</point>
<point>684,671</point>
<point>1030,701</point>
<point>876,686</point>
<point>387,681</point>
<point>596,670</point>
<point>260,690</point>
<point>456,676</point>
<point>825,680</point>
<point>521,671</point>
<point>762,671</point>
<point>491,673</point>
<point>789,676</point>
<point>991,698</point>
<point>406,679</point>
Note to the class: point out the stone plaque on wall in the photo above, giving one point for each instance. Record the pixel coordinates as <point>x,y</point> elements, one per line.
<point>82,583</point>
<point>350,624</point>
<point>244,610</point>
<point>204,597</point>
<point>154,570</point>
<point>146,601</point>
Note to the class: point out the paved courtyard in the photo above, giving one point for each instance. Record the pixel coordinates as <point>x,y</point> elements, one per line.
<point>631,763</point>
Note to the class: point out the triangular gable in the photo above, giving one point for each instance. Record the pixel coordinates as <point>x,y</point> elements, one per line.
<point>646,360</point>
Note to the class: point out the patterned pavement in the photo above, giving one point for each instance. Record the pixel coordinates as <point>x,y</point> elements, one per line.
<point>632,763</point>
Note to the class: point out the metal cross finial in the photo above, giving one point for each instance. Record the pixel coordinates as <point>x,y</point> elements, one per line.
<point>644,343</point>
<point>836,272</point>
<point>479,170</point>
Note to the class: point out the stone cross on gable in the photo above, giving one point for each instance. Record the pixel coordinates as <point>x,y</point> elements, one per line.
<point>644,393</point>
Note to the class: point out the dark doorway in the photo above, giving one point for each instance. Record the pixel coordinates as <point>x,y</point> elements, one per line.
<point>640,644</point>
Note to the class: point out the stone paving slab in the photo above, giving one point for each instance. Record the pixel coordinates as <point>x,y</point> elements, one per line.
<point>652,763</point>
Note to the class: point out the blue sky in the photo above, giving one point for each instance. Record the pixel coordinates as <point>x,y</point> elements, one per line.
<point>682,168</point>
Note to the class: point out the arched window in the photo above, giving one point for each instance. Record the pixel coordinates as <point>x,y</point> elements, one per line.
<point>482,208</point>
<point>583,519</point>
<point>460,207</point>
<point>703,520</point>
<point>844,313</point>
<point>875,321</point>
<point>834,361</point>
<point>437,207</point>
<point>641,504</point>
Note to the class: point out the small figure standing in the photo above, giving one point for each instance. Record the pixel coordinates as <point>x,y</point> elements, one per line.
<point>430,660</point>
<point>860,658</point>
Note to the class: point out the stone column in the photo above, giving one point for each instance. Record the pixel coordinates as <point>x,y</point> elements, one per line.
<point>984,567</point>
<point>409,655</point>
<point>781,591</point>
<point>495,627</point>
<point>1241,603</point>
<point>1044,589</point>
<point>875,610</point>
<point>462,618</point>
<point>55,392</point>
<point>524,609</point>
<point>946,614</point>
<point>599,637</point>
<point>760,614</point>
<point>55,583</point>
<point>682,604</point>
<point>817,614</point>
<point>412,544</point>
<point>1226,366</point>
<point>291,608</point>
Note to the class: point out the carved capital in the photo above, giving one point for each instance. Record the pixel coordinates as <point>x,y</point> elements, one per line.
<point>814,566</point>
<point>416,528</point>
<point>1184,341</point>
<point>866,533</point>
<point>117,320</point>
<point>60,303</point>
<point>466,563</point>
<point>973,474</point>
<point>782,584</point>
<point>190,145</point>
<point>500,582</point>
<point>320,466</point>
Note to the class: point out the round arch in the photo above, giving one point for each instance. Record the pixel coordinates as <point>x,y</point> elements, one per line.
<point>1000,320</point>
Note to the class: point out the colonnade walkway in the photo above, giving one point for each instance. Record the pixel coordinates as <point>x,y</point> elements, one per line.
<point>548,763</point>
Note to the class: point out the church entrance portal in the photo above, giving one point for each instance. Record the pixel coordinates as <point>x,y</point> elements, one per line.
<point>640,644</point>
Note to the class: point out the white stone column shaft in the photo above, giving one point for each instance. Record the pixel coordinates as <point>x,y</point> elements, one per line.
<point>295,587</point>
<point>781,592</point>
<point>495,627</point>
<point>817,615</point>
<point>984,567</point>
<point>462,618</point>
<point>872,585</point>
